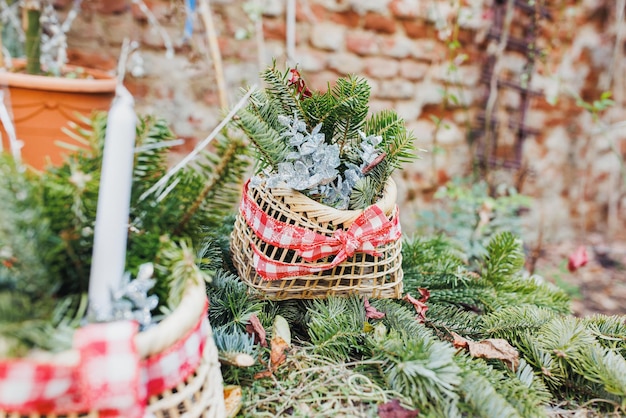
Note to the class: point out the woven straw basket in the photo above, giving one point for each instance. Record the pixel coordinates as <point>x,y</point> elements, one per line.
<point>199,395</point>
<point>376,276</point>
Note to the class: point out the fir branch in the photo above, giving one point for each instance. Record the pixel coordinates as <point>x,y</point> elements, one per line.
<point>369,188</point>
<point>483,398</point>
<point>386,124</point>
<point>176,265</point>
<point>270,147</point>
<point>418,366</point>
<point>504,259</point>
<point>528,291</point>
<point>610,331</point>
<point>491,392</point>
<point>452,318</point>
<point>335,326</point>
<point>221,191</point>
<point>231,303</point>
<point>278,90</point>
<point>513,322</point>
<point>341,111</point>
<point>235,348</point>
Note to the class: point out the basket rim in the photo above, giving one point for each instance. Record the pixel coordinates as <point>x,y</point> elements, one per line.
<point>328,214</point>
<point>176,325</point>
<point>153,341</point>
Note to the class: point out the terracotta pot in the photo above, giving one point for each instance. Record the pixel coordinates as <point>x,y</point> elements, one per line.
<point>42,105</point>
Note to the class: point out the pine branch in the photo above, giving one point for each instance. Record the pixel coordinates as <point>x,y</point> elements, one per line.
<point>270,147</point>
<point>176,265</point>
<point>221,190</point>
<point>418,366</point>
<point>335,326</point>
<point>514,322</point>
<point>505,257</point>
<point>341,110</point>
<point>235,348</point>
<point>386,124</point>
<point>277,89</point>
<point>231,304</point>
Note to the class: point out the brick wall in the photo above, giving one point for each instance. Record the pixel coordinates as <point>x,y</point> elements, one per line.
<point>426,59</point>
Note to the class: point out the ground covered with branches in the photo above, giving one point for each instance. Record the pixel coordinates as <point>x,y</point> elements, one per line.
<point>479,338</point>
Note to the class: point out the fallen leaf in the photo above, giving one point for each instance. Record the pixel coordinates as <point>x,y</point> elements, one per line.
<point>492,348</point>
<point>393,409</point>
<point>281,329</point>
<point>255,328</point>
<point>263,374</point>
<point>459,342</point>
<point>233,400</point>
<point>577,259</point>
<point>371,312</point>
<point>420,305</point>
<point>277,352</point>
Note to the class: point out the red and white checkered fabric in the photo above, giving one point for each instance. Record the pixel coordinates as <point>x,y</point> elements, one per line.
<point>370,230</point>
<point>109,376</point>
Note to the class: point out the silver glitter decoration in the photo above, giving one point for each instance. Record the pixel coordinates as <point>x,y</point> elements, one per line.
<point>314,166</point>
<point>131,301</point>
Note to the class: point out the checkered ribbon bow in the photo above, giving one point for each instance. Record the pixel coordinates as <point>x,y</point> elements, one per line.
<point>370,230</point>
<point>109,376</point>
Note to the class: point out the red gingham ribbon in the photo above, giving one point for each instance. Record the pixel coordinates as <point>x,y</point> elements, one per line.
<point>370,230</point>
<point>109,377</point>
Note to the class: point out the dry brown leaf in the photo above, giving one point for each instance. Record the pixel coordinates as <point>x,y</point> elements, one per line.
<point>459,342</point>
<point>277,354</point>
<point>233,400</point>
<point>255,328</point>
<point>492,348</point>
<point>419,304</point>
<point>371,312</point>
<point>263,374</point>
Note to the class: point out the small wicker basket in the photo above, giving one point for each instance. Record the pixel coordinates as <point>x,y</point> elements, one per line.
<point>199,395</point>
<point>376,276</point>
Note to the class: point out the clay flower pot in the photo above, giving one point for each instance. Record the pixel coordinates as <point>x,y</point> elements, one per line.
<point>42,105</point>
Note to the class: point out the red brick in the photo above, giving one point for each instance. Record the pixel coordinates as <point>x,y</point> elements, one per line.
<point>316,12</point>
<point>361,43</point>
<point>61,4</point>
<point>379,67</point>
<point>418,29</point>
<point>160,9</point>
<point>319,81</point>
<point>345,63</point>
<point>227,47</point>
<point>405,9</point>
<point>348,18</point>
<point>379,23</point>
<point>113,6</point>
<point>97,60</point>
<point>412,70</point>
<point>274,29</point>
<point>395,46</point>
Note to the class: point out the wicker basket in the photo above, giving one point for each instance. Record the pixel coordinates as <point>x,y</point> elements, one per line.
<point>199,395</point>
<point>376,276</point>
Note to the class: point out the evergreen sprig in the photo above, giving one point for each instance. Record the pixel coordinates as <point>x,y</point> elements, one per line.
<point>340,114</point>
<point>46,237</point>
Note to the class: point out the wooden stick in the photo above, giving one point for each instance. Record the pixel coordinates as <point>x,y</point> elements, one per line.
<point>214,47</point>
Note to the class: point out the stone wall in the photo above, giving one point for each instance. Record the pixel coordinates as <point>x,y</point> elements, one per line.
<point>426,59</point>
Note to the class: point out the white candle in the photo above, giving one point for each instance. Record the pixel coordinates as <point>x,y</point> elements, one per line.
<point>111,229</point>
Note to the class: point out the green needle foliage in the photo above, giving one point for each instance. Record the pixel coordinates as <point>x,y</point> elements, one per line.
<point>564,362</point>
<point>46,233</point>
<point>342,114</point>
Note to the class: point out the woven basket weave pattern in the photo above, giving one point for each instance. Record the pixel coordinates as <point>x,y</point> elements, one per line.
<point>379,277</point>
